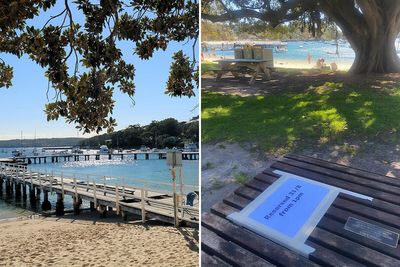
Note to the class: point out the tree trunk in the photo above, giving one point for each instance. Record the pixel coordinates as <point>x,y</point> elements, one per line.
<point>374,54</point>
<point>371,27</point>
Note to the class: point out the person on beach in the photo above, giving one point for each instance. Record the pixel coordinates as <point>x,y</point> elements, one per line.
<point>309,58</point>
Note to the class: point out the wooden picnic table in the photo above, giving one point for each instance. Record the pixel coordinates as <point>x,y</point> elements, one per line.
<point>240,66</point>
<point>226,244</point>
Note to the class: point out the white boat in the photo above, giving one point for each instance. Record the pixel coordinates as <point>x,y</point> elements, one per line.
<point>104,149</point>
<point>17,153</point>
<point>144,148</point>
<point>35,152</point>
<point>281,48</point>
<point>191,147</point>
<point>77,150</point>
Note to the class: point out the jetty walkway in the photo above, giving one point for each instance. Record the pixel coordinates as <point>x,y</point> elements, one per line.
<point>163,205</point>
<point>77,157</point>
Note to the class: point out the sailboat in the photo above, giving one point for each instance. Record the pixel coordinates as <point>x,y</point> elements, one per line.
<point>35,150</point>
<point>16,152</point>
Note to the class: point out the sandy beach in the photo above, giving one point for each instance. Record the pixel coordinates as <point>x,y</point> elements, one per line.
<point>69,242</point>
<point>296,64</point>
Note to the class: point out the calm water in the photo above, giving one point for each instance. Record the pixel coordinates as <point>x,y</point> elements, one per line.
<point>298,50</point>
<point>152,173</point>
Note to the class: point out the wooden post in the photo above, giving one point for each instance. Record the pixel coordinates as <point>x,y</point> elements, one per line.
<point>62,185</point>
<point>60,204</point>
<point>51,181</point>
<point>176,221</point>
<point>1,185</point>
<point>46,205</point>
<point>104,184</point>
<point>17,189</point>
<point>94,194</point>
<point>117,199</point>
<point>40,179</point>
<point>142,206</point>
<point>24,195</point>
<point>77,205</point>
<point>32,194</point>
<point>75,189</point>
<point>103,211</point>
<point>24,176</point>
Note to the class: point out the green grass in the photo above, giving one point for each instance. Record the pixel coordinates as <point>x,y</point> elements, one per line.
<point>207,67</point>
<point>287,121</point>
<point>241,178</point>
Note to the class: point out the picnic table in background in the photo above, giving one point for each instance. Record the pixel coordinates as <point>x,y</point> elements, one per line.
<point>239,66</point>
<point>227,244</point>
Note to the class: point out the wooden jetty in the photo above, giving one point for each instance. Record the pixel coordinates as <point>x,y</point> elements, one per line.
<point>77,157</point>
<point>167,206</point>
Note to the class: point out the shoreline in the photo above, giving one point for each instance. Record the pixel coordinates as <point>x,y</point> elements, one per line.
<point>294,63</point>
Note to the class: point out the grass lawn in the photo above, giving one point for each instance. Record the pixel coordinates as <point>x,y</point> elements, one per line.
<point>285,122</point>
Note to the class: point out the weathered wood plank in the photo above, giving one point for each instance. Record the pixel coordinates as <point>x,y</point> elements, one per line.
<point>390,188</point>
<point>346,169</point>
<point>337,228</point>
<point>207,260</point>
<point>321,256</point>
<point>229,252</point>
<point>244,195</point>
<point>256,244</point>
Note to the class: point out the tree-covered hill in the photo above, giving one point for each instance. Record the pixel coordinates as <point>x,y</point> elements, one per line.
<point>158,134</point>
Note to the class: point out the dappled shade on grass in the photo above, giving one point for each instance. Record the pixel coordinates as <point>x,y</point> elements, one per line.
<point>288,121</point>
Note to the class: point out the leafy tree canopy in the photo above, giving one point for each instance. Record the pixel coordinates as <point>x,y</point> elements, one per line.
<point>84,89</point>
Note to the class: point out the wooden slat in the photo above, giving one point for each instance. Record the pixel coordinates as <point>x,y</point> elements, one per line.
<point>352,249</point>
<point>247,195</point>
<point>258,245</point>
<point>337,228</point>
<point>377,204</point>
<point>207,260</point>
<point>390,188</point>
<point>345,169</point>
<point>395,199</point>
<point>229,252</point>
<point>321,256</point>
<point>334,245</point>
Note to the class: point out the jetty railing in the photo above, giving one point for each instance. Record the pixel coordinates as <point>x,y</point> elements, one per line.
<point>143,200</point>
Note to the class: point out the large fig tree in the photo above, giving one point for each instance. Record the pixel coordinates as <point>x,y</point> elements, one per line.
<point>370,26</point>
<point>83,61</point>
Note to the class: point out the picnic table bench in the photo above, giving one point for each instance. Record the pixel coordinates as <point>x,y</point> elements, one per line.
<point>254,67</point>
<point>227,244</point>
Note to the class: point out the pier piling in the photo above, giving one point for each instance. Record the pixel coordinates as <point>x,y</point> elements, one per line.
<point>60,205</point>
<point>92,207</point>
<point>46,205</point>
<point>17,189</point>
<point>77,205</point>
<point>103,211</point>
<point>8,188</point>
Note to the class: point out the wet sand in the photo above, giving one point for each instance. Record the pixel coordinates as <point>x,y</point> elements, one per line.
<point>69,242</point>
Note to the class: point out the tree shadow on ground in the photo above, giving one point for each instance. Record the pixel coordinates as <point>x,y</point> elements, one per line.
<point>315,116</point>
<point>291,80</point>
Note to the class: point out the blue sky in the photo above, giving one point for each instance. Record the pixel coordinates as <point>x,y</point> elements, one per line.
<point>22,105</point>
